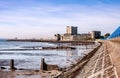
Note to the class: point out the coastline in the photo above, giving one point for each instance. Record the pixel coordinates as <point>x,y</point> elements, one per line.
<point>50,41</point>
<point>32,73</point>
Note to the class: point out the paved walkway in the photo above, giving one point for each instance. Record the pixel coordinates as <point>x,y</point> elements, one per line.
<point>102,64</point>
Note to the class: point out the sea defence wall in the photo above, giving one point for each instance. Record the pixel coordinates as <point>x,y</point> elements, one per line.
<point>105,63</point>
<point>76,68</point>
<point>113,47</point>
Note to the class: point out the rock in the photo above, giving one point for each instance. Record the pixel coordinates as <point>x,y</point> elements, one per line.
<point>3,68</point>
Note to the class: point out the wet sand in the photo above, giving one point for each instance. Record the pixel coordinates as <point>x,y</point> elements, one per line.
<point>28,74</point>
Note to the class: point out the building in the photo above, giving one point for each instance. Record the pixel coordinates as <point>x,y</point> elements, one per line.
<point>71,30</point>
<point>72,35</point>
<point>95,34</point>
<point>115,34</point>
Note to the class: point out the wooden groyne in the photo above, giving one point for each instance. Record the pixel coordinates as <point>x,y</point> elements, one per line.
<point>58,48</point>
<point>50,41</point>
<point>40,48</point>
<point>46,70</point>
<point>47,67</point>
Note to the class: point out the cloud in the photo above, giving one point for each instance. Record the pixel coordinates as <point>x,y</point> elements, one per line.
<point>40,20</point>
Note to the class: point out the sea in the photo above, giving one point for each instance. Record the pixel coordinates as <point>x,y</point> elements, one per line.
<point>31,59</point>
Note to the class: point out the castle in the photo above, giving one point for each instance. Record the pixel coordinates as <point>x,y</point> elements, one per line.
<point>72,35</point>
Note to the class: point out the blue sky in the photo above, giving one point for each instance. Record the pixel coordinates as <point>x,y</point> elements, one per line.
<point>44,18</point>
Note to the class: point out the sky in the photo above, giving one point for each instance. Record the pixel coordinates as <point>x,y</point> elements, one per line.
<point>44,18</point>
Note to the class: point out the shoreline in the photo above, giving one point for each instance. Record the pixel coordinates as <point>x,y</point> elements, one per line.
<point>50,41</point>
<point>33,72</point>
<point>39,72</point>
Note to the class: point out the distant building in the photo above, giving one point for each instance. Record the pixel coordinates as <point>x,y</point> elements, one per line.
<point>71,30</point>
<point>68,37</point>
<point>115,34</point>
<point>95,34</point>
<point>72,35</point>
<point>86,36</point>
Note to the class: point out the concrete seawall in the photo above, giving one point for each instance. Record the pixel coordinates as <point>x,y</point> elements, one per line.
<point>75,70</point>
<point>105,63</point>
<point>113,47</point>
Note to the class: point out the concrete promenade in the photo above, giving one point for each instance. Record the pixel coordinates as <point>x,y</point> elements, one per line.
<point>105,63</point>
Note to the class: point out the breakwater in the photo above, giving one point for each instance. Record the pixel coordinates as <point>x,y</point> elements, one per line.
<point>51,41</point>
<point>40,48</point>
<point>105,63</point>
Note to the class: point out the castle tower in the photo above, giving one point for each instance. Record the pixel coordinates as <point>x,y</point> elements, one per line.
<point>71,30</point>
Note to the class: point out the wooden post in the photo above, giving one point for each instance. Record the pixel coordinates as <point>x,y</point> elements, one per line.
<point>43,64</point>
<point>12,64</point>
